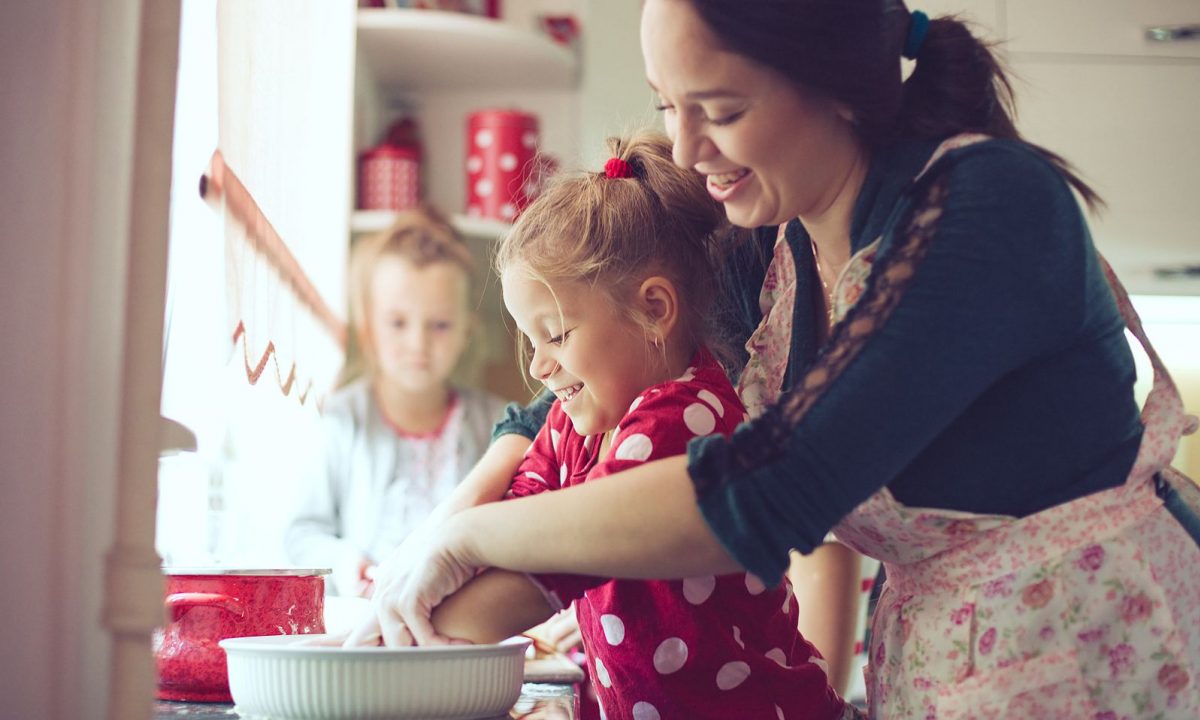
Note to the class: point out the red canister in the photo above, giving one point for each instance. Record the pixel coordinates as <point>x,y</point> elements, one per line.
<point>502,177</point>
<point>207,605</point>
<point>389,178</point>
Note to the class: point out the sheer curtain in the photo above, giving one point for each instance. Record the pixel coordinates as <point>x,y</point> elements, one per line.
<point>284,79</point>
<point>255,303</point>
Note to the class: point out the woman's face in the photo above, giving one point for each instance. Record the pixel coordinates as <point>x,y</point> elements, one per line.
<point>769,151</point>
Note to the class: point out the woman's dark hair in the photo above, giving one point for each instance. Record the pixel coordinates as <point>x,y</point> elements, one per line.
<point>849,50</point>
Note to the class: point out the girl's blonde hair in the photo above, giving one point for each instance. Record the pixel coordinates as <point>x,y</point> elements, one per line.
<point>423,237</point>
<point>614,232</point>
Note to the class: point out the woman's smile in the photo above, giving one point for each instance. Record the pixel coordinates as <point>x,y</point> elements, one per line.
<point>722,186</point>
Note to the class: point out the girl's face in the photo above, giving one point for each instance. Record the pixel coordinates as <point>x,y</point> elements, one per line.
<point>595,360</point>
<point>770,152</point>
<point>418,322</point>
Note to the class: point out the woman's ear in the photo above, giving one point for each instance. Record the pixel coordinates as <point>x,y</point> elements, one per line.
<point>659,302</point>
<point>845,112</point>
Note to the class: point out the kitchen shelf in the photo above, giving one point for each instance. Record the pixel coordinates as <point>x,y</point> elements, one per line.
<point>422,50</point>
<point>369,221</point>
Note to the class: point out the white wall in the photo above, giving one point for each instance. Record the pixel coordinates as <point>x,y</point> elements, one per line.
<point>614,97</point>
<point>67,79</point>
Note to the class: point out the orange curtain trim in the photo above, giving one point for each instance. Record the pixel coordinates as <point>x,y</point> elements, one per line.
<point>221,181</point>
<point>253,373</point>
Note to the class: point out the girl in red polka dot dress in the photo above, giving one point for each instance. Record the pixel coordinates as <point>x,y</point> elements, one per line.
<point>609,276</point>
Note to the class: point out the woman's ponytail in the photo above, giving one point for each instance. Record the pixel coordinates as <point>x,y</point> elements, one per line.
<point>959,85</point>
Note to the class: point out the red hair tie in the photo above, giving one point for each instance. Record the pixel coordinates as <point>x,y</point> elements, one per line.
<point>618,168</point>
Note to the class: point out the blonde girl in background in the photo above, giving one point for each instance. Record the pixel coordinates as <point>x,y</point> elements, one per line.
<point>399,435</point>
<point>609,277</point>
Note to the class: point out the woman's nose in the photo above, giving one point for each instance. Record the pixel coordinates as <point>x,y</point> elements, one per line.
<point>688,145</point>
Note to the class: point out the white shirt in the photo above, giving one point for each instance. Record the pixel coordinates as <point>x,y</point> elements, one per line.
<point>370,486</point>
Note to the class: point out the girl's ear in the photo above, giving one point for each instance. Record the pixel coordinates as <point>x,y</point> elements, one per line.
<point>659,302</point>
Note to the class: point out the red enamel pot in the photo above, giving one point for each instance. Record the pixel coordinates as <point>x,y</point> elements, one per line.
<point>207,605</point>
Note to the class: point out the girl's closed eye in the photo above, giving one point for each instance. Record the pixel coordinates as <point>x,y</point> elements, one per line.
<point>559,339</point>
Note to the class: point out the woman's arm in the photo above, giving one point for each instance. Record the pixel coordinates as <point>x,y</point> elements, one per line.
<point>596,530</point>
<point>487,482</point>
<point>826,584</point>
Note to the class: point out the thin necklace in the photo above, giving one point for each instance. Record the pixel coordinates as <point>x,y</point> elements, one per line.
<point>826,295</point>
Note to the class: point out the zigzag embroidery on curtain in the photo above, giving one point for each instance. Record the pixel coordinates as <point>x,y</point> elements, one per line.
<point>222,188</point>
<point>252,374</point>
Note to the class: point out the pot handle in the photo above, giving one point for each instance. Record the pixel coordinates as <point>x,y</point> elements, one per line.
<point>179,603</point>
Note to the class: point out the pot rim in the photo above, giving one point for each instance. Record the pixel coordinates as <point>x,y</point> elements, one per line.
<point>221,571</point>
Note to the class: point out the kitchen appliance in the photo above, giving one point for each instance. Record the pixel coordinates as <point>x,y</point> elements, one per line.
<point>207,605</point>
<point>289,677</point>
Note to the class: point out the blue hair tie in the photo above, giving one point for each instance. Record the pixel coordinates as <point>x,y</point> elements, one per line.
<point>918,26</point>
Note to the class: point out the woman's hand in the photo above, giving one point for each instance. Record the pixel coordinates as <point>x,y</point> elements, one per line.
<point>426,568</point>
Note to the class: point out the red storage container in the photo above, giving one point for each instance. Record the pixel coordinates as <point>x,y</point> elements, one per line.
<point>502,176</point>
<point>389,178</point>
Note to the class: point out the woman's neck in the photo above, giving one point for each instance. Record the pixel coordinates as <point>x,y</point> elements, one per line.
<point>414,413</point>
<point>829,229</point>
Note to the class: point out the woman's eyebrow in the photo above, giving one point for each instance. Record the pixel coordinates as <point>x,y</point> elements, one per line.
<point>710,94</point>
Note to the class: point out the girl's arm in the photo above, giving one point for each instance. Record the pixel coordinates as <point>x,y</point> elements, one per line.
<point>495,605</point>
<point>826,584</point>
<point>488,479</point>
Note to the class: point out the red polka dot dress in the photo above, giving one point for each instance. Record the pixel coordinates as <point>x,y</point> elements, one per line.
<point>703,647</point>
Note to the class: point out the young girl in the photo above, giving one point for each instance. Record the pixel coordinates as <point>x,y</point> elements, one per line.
<point>608,277</point>
<point>397,439</point>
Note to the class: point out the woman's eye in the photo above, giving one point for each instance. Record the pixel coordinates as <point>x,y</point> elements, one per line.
<point>441,326</point>
<point>727,119</point>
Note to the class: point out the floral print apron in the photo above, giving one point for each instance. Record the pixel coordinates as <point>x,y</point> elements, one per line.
<point>1089,609</point>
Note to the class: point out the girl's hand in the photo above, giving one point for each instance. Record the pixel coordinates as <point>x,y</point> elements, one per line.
<point>562,630</point>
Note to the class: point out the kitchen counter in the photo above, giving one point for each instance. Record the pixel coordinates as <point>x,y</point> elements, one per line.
<point>552,702</point>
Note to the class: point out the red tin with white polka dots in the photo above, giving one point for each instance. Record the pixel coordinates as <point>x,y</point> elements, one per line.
<point>389,178</point>
<point>502,176</point>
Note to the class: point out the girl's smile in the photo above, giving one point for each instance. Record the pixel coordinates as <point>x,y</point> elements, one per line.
<point>592,357</point>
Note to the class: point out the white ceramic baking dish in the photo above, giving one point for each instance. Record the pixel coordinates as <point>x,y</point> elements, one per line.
<point>291,678</point>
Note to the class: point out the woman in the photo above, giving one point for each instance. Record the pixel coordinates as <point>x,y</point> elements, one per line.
<point>941,374</point>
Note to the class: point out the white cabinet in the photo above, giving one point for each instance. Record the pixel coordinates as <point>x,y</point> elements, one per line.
<point>439,67</point>
<point>1122,108</point>
<point>1113,28</point>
